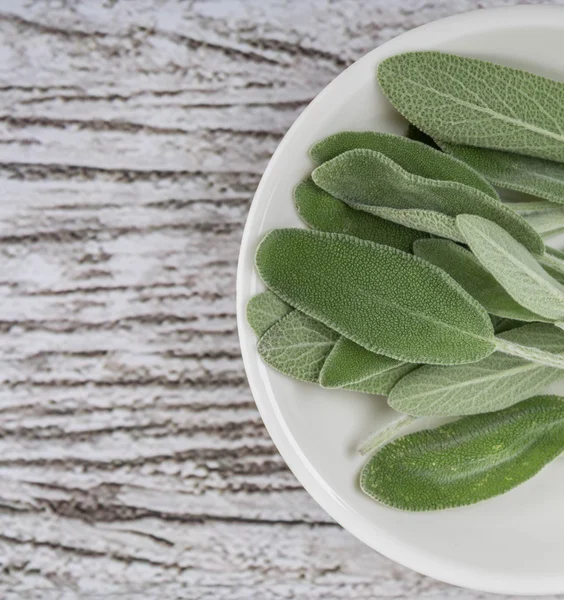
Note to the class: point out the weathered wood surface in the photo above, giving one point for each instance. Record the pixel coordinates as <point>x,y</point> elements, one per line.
<point>133,462</point>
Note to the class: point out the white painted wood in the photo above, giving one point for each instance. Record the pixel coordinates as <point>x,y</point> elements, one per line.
<point>133,462</point>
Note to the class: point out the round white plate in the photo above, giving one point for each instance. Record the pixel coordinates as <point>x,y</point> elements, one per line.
<point>511,544</point>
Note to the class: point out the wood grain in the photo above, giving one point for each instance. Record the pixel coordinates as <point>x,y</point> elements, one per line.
<point>133,462</point>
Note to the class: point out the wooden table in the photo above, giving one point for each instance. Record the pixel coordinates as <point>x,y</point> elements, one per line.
<point>133,462</point>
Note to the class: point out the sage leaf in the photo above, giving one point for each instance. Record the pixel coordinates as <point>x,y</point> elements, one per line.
<point>477,103</point>
<point>473,459</point>
<point>414,157</point>
<point>321,211</point>
<point>263,310</point>
<point>431,323</point>
<point>426,221</point>
<point>383,299</point>
<point>297,348</point>
<point>467,270</point>
<point>297,345</point>
<point>349,363</point>
<point>369,181</point>
<point>528,174</point>
<point>382,383</point>
<point>514,267</point>
<point>493,383</point>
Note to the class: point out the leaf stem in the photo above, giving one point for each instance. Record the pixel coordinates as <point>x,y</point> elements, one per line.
<point>530,353</point>
<point>381,436</point>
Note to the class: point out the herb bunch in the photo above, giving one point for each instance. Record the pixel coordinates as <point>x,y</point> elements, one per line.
<point>417,282</point>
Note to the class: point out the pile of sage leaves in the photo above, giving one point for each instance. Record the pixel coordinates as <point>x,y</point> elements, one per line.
<point>416,281</point>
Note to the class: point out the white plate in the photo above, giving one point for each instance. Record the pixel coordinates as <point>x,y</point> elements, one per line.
<point>511,544</point>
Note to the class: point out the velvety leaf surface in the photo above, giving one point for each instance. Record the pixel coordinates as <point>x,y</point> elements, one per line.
<point>425,221</point>
<point>531,175</point>
<point>382,383</point>
<point>387,301</point>
<point>413,156</point>
<point>514,267</point>
<point>323,212</point>
<point>349,363</point>
<point>368,180</point>
<point>297,346</point>
<point>263,310</point>
<point>472,459</point>
<point>467,270</point>
<point>493,383</point>
<point>477,103</point>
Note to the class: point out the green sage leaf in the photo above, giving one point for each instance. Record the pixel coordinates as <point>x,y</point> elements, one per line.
<point>477,103</point>
<point>414,157</point>
<point>514,267</point>
<point>369,181</point>
<point>321,211</point>
<point>472,459</point>
<point>425,221</point>
<point>349,363</point>
<point>297,345</point>
<point>263,310</point>
<point>467,270</point>
<point>297,348</point>
<point>528,174</point>
<point>382,383</point>
<point>493,383</point>
<point>385,300</point>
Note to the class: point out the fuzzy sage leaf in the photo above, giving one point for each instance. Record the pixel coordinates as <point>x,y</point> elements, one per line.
<point>382,383</point>
<point>383,299</point>
<point>369,181</point>
<point>493,383</point>
<point>321,211</point>
<point>349,363</point>
<point>467,270</point>
<point>412,156</point>
<point>297,345</point>
<point>514,267</point>
<point>473,459</point>
<point>477,103</point>
<point>528,174</point>
<point>265,309</point>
